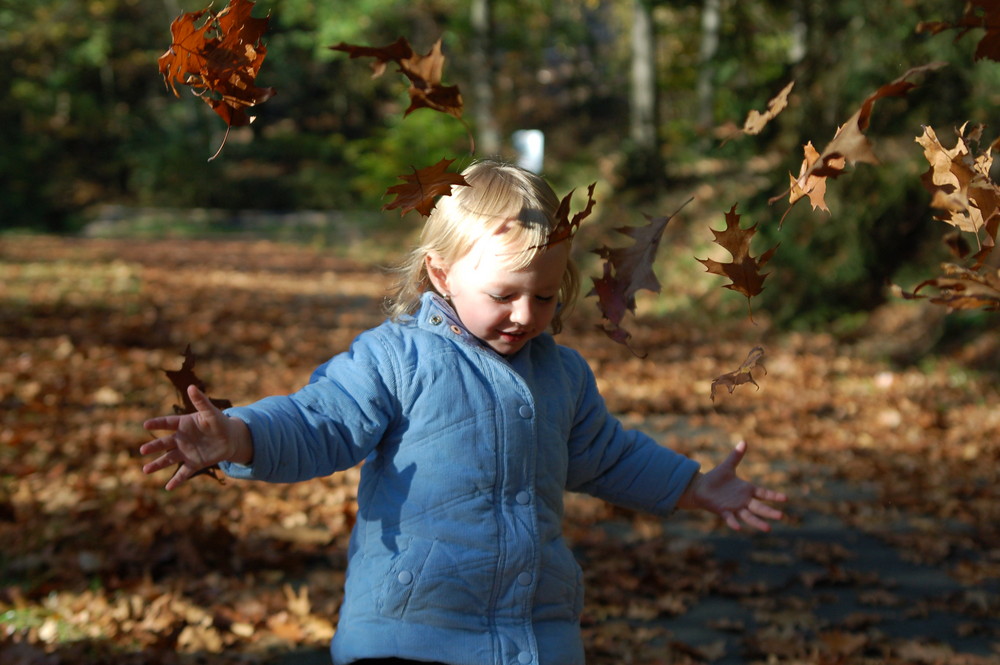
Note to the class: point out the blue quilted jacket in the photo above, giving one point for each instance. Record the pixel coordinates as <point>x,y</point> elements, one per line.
<point>457,554</point>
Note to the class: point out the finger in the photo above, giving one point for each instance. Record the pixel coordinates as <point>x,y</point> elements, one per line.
<point>755,522</point>
<point>157,445</point>
<point>163,422</point>
<point>769,495</point>
<point>169,458</point>
<point>200,400</point>
<point>736,456</point>
<point>161,462</point>
<point>731,521</point>
<point>184,473</point>
<point>764,510</point>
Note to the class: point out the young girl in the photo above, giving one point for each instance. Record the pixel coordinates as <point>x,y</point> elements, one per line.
<point>472,422</point>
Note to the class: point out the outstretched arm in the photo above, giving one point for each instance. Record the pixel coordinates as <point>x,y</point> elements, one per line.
<point>197,440</point>
<point>737,501</point>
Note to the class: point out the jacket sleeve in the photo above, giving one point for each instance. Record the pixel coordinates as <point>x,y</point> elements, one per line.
<point>329,425</point>
<point>623,466</point>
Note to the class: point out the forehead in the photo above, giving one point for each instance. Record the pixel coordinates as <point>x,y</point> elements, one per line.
<point>493,259</point>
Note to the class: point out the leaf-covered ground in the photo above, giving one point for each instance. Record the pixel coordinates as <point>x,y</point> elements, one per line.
<point>890,553</point>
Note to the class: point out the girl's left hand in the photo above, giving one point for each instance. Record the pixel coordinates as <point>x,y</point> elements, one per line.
<point>737,501</point>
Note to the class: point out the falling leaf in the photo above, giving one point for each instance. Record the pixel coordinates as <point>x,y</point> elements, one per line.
<point>983,14</point>
<point>426,91</point>
<point>743,270</point>
<point>850,144</point>
<point>812,185</point>
<point>627,270</point>
<point>960,185</point>
<point>424,73</point>
<point>396,52</point>
<point>219,60</point>
<point>565,227</point>
<point>420,190</point>
<point>756,121</point>
<point>960,288</point>
<point>744,374</point>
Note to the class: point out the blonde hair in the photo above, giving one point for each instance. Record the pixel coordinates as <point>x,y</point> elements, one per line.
<point>500,199</point>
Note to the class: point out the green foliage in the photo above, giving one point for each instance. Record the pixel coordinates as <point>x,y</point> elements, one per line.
<point>421,139</point>
<point>86,119</point>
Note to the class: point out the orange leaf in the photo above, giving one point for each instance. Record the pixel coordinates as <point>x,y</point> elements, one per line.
<point>420,189</point>
<point>426,91</point>
<point>756,121</point>
<point>812,185</point>
<point>219,60</point>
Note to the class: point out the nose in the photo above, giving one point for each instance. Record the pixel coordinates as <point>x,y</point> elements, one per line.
<point>521,312</point>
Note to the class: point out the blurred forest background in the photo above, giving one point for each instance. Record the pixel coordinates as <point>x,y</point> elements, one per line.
<point>121,243</point>
<point>635,95</point>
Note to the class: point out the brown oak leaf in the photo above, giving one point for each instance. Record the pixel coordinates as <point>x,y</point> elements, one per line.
<point>850,144</point>
<point>744,374</point>
<point>423,71</point>
<point>396,52</point>
<point>743,270</point>
<point>219,60</point>
<point>812,185</point>
<point>627,270</point>
<point>419,191</point>
<point>565,226</point>
<point>983,14</point>
<point>960,185</point>
<point>755,120</point>
<point>960,288</point>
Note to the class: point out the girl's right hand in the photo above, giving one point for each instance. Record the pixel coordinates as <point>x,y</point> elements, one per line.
<point>197,440</point>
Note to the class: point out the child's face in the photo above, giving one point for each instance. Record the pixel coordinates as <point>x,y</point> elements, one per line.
<point>503,307</point>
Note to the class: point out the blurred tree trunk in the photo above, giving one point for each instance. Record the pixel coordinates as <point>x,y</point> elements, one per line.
<point>710,20</point>
<point>798,44</point>
<point>481,52</point>
<point>645,164</point>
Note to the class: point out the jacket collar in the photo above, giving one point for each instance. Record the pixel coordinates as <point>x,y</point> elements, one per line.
<point>437,315</point>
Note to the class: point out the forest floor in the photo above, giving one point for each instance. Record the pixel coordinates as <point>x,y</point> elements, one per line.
<point>890,552</point>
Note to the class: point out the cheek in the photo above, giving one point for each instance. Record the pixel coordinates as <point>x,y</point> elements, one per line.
<point>480,313</point>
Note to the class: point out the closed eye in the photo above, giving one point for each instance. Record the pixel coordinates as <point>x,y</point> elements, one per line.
<point>508,298</point>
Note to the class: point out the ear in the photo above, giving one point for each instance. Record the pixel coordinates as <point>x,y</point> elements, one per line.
<point>437,272</point>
